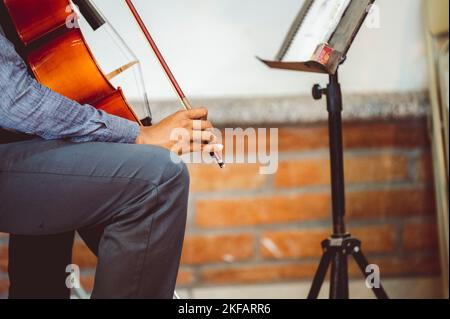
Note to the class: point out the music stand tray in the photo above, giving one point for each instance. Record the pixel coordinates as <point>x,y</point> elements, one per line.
<point>326,59</point>
<point>329,52</point>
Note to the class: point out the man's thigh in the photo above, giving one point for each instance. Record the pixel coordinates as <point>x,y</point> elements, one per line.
<point>51,187</point>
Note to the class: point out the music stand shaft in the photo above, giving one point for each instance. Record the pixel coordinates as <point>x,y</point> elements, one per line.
<point>340,245</point>
<point>334,107</point>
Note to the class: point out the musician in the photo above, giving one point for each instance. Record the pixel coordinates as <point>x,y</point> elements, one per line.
<point>78,168</point>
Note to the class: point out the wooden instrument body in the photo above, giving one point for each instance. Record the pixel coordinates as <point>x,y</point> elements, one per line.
<point>59,56</point>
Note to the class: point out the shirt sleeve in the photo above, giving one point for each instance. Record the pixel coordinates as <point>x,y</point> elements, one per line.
<point>28,107</point>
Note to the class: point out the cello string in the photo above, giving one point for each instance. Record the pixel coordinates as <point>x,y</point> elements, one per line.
<point>130,56</point>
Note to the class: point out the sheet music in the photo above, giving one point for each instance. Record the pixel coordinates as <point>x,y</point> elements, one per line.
<point>319,24</point>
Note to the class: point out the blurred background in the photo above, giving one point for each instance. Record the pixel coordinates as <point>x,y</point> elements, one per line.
<point>258,236</point>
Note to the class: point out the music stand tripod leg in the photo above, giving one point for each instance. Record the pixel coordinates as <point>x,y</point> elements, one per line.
<point>339,276</point>
<point>321,272</point>
<point>362,262</point>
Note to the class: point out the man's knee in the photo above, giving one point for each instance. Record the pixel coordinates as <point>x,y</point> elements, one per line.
<point>166,168</point>
<point>172,188</point>
<point>176,172</point>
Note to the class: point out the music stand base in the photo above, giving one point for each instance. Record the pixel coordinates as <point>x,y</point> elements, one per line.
<point>335,253</point>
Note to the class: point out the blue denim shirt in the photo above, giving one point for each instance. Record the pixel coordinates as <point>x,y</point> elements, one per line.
<point>29,107</point>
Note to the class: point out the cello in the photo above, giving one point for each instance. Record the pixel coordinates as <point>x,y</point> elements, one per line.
<point>59,57</point>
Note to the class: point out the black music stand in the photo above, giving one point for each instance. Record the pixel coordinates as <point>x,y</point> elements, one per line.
<point>327,59</point>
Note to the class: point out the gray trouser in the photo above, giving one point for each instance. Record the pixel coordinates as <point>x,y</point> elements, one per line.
<point>137,193</point>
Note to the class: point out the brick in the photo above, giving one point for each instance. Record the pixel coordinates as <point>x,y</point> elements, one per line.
<point>217,248</point>
<point>233,177</point>
<point>401,267</point>
<point>306,172</point>
<point>375,239</point>
<point>303,138</point>
<point>292,244</point>
<point>262,210</point>
<point>83,257</point>
<point>358,169</point>
<point>362,134</point>
<point>306,243</point>
<point>389,267</point>
<point>87,282</point>
<point>185,277</point>
<point>425,168</point>
<point>400,134</point>
<point>420,236</point>
<point>4,287</point>
<point>308,207</point>
<point>3,258</point>
<point>259,273</point>
<point>248,143</point>
<point>390,203</point>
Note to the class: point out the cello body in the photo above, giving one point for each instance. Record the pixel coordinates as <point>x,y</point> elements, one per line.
<point>59,57</point>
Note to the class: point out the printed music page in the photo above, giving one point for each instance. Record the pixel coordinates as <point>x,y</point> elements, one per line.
<point>318,26</point>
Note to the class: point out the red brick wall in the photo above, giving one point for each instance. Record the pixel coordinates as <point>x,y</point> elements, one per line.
<point>249,228</point>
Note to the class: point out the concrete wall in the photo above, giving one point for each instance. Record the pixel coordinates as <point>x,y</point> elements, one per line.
<point>211,45</point>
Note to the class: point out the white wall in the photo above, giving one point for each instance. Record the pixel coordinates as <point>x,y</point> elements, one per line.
<point>211,44</point>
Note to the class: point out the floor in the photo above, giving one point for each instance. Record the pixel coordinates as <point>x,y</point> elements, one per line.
<point>410,288</point>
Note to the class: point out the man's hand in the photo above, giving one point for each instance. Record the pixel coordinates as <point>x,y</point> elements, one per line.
<point>193,121</point>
